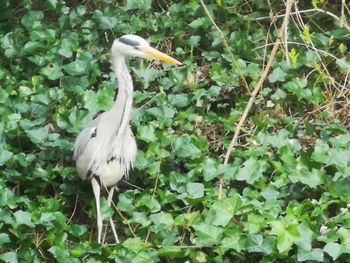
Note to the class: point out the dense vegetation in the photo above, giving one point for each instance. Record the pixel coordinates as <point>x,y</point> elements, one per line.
<point>284,194</point>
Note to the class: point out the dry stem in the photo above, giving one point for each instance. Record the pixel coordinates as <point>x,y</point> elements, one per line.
<point>257,88</point>
<point>226,44</point>
<point>317,10</point>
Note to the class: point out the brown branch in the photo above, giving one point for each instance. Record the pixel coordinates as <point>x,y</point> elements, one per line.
<point>74,210</point>
<point>226,44</point>
<point>157,180</point>
<point>257,89</point>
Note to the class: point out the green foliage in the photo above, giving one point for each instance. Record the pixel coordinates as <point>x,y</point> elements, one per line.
<point>286,187</point>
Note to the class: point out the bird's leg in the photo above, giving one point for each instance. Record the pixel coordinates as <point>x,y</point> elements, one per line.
<point>109,201</point>
<point>96,189</point>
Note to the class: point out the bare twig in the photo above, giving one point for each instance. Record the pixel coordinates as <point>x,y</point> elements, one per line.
<point>257,89</point>
<point>286,40</point>
<point>75,208</point>
<point>147,236</point>
<point>147,103</point>
<point>133,185</point>
<point>344,88</point>
<point>342,17</point>
<point>317,10</point>
<point>157,180</point>
<point>226,44</point>
<point>301,44</point>
<point>312,45</point>
<point>124,218</point>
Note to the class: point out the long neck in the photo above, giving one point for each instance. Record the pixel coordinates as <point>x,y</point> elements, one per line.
<point>116,120</point>
<point>123,104</point>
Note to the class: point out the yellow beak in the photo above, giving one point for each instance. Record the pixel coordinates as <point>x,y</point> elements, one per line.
<point>155,54</point>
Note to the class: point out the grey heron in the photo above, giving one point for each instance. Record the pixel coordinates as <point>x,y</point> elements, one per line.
<point>106,149</point>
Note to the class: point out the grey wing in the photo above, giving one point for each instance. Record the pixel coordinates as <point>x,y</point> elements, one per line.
<point>85,136</point>
<point>84,147</point>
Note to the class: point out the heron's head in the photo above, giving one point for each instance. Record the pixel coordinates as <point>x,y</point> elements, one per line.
<point>135,46</point>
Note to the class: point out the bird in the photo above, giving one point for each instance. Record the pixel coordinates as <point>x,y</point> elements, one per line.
<point>105,149</point>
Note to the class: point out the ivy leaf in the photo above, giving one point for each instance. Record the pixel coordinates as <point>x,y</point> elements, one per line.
<point>8,44</point>
<point>210,170</point>
<point>53,219</point>
<point>105,22</point>
<point>147,201</point>
<point>106,211</point>
<point>195,190</point>
<point>62,255</point>
<point>344,235</point>
<point>74,84</point>
<point>3,96</point>
<point>125,202</point>
<point>76,68</point>
<point>37,136</point>
<point>147,133</point>
<point>342,140</point>
<point>222,211</point>
<point>344,65</point>
<point>69,44</point>
<point>45,35</point>
<point>179,100</point>
<point>320,153</point>
<point>311,178</point>
<point>339,157</point>
<point>252,170</point>
<point>313,255</point>
<point>184,148</point>
<point>23,218</point>
<point>134,244</point>
<point>5,196</point>
<point>53,71</point>
<point>306,237</point>
<point>297,86</point>
<point>163,112</point>
<point>78,230</point>
<point>4,239</point>
<point>286,235</point>
<point>9,257</point>
<point>199,22</point>
<point>32,19</point>
<point>194,41</point>
<point>257,243</point>
<point>254,223</point>
<point>32,47</point>
<point>138,4</point>
<point>207,234</point>
<point>141,218</point>
<point>161,218</point>
<point>277,75</point>
<point>333,249</point>
<point>5,156</point>
<point>51,4</point>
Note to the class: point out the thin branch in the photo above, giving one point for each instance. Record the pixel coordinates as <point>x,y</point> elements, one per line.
<point>257,87</point>
<point>317,10</point>
<point>286,41</point>
<point>124,218</point>
<point>325,69</point>
<point>344,88</point>
<point>300,44</point>
<point>342,17</point>
<point>75,208</point>
<point>226,44</point>
<point>157,180</point>
<point>133,185</point>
